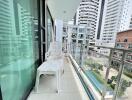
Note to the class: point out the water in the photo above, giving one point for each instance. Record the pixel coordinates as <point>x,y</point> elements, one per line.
<point>98,85</point>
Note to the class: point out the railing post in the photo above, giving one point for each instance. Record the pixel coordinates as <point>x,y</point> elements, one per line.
<point>81,55</point>
<point>73,51</point>
<point>107,73</point>
<point>70,51</point>
<point>119,74</point>
<point>66,46</point>
<point>109,65</point>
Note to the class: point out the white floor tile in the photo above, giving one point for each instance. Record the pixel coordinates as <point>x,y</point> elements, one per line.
<point>47,87</point>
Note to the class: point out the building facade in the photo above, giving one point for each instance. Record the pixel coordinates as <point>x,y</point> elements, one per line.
<point>78,40</point>
<point>78,34</point>
<point>124,39</point>
<point>117,18</point>
<point>88,13</point>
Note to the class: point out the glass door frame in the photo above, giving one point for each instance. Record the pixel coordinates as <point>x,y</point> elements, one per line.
<point>0,94</point>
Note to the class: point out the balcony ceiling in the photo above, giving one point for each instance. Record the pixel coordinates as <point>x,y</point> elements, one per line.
<point>63,9</point>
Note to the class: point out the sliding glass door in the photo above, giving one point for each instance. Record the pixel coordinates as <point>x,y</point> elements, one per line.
<point>18,47</point>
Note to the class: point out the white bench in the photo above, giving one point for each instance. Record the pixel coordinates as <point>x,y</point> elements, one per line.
<point>52,68</point>
<point>53,65</point>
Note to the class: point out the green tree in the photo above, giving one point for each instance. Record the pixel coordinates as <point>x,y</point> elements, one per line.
<point>123,86</point>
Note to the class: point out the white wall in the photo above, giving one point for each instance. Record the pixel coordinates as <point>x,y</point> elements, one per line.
<point>59,30</point>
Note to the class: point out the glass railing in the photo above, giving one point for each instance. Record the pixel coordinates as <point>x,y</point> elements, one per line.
<point>109,76</point>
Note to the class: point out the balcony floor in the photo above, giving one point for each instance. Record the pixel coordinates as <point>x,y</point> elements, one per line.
<point>47,87</point>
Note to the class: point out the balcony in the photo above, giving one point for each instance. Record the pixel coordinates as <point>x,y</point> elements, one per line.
<point>88,74</point>
<point>126,45</point>
<point>69,87</point>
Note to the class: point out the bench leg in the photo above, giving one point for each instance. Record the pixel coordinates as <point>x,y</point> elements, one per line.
<point>58,81</point>
<point>37,81</point>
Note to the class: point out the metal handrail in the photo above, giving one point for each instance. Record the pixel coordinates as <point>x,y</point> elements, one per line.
<point>122,60</point>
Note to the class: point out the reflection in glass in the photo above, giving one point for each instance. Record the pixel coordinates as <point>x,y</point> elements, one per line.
<point>17,52</point>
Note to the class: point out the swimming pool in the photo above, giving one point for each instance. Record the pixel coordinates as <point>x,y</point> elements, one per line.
<point>98,85</point>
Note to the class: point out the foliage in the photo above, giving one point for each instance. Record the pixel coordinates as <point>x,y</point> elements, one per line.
<point>116,66</point>
<point>112,86</point>
<point>129,74</point>
<point>123,87</point>
<point>100,67</point>
<point>94,65</point>
<point>98,76</point>
<point>113,77</point>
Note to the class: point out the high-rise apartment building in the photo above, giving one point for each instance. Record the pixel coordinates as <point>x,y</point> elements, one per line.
<point>117,16</point>
<point>89,13</point>
<point>78,40</point>
<point>130,26</point>
<point>78,34</point>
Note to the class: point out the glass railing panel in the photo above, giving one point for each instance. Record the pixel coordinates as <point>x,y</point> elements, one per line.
<point>125,84</point>
<point>104,72</point>
<point>96,69</point>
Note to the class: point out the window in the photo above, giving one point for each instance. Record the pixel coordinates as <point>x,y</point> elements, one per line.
<point>125,40</point>
<point>81,30</point>
<point>130,46</point>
